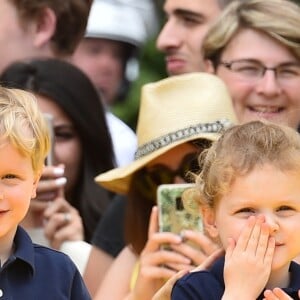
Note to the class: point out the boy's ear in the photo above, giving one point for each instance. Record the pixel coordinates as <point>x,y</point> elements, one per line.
<point>209,67</point>
<point>45,27</point>
<point>35,184</point>
<point>208,216</point>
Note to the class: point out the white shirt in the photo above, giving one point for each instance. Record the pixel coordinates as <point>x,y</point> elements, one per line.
<point>123,138</point>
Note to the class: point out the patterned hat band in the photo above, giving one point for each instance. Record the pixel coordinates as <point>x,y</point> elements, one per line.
<point>215,127</point>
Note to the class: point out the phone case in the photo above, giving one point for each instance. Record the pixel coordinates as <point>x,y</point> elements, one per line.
<point>177,213</point>
<point>50,157</point>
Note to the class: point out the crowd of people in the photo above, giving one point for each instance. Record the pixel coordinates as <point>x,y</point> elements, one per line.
<point>226,119</point>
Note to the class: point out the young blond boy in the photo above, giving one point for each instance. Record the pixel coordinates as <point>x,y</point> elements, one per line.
<point>28,271</point>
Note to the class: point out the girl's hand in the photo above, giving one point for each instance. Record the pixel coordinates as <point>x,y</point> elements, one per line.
<point>277,294</point>
<point>248,261</point>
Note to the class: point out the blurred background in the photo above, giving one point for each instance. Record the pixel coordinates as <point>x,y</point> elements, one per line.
<point>151,64</point>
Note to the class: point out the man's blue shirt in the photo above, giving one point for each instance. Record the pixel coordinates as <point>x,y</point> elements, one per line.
<point>209,285</point>
<point>34,272</point>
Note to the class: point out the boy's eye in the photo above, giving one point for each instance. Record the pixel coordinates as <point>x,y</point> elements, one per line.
<point>9,176</point>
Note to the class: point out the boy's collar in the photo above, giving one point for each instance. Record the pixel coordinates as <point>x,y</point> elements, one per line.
<point>24,248</point>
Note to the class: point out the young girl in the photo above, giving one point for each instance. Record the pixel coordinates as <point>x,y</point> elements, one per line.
<point>250,192</point>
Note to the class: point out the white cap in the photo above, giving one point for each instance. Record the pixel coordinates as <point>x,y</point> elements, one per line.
<point>116,22</point>
<point>148,11</point>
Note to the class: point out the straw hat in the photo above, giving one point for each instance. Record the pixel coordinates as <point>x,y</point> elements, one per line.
<point>174,111</point>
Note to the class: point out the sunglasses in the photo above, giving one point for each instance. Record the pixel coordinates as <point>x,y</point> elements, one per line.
<point>161,174</point>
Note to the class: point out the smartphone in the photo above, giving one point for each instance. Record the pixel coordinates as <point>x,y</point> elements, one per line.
<point>178,210</point>
<point>50,157</point>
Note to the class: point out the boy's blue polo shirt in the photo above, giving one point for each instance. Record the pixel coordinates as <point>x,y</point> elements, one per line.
<point>34,272</point>
<point>209,285</point>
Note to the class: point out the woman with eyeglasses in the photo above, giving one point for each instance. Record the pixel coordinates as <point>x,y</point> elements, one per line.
<point>254,47</point>
<point>178,118</point>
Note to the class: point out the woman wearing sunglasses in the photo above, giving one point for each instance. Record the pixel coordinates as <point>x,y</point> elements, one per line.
<point>178,118</point>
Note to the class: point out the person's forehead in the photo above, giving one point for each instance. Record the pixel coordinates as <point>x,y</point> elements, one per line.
<point>200,7</point>
<point>238,47</point>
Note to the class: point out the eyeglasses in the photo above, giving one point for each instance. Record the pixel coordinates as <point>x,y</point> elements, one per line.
<point>253,70</point>
<point>161,174</point>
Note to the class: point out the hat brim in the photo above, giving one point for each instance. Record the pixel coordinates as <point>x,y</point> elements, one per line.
<point>118,180</point>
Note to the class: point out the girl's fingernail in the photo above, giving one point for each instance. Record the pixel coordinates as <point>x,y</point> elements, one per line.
<point>61,181</point>
<point>58,171</point>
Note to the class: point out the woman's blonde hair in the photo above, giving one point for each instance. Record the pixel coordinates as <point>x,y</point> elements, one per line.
<point>23,125</point>
<point>241,149</point>
<point>279,19</point>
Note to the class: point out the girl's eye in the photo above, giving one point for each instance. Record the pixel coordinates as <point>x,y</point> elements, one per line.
<point>285,211</point>
<point>246,211</point>
<point>285,208</point>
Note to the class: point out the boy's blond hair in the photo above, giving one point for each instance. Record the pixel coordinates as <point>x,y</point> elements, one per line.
<point>240,150</point>
<point>24,126</point>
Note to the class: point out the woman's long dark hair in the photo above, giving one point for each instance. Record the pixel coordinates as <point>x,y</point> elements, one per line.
<point>68,87</point>
<point>140,200</point>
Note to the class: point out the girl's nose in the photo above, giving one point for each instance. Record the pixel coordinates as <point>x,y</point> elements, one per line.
<point>272,223</point>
